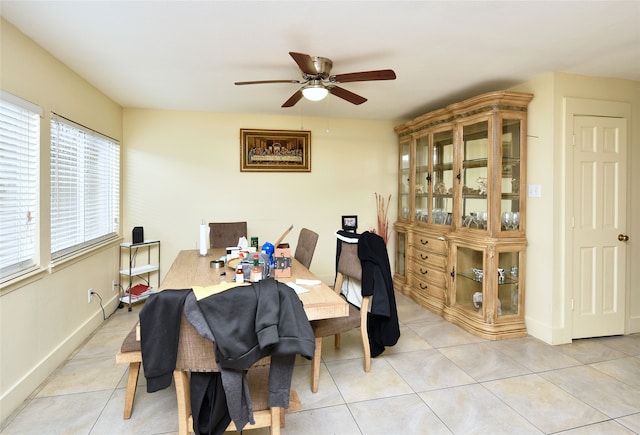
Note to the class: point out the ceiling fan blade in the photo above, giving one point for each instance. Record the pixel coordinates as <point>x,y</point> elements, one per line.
<point>259,82</point>
<point>293,99</point>
<point>346,95</point>
<point>364,76</point>
<point>305,62</point>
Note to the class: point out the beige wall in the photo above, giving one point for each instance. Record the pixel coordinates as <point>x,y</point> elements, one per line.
<point>45,317</point>
<point>548,313</point>
<point>184,167</point>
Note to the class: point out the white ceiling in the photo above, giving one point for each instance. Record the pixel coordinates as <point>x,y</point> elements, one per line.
<point>186,55</point>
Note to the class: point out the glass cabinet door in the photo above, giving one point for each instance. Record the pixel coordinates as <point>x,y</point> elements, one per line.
<point>468,279</point>
<point>511,153</point>
<point>509,294</point>
<point>422,179</point>
<point>403,179</point>
<point>401,253</point>
<point>442,178</point>
<point>474,175</point>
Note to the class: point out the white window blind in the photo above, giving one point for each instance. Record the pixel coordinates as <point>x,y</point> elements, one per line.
<point>85,187</point>
<point>19,185</point>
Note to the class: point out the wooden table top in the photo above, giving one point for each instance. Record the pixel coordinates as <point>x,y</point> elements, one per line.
<point>191,269</point>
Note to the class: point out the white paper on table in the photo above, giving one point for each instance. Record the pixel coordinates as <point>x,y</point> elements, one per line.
<point>298,289</point>
<point>301,281</point>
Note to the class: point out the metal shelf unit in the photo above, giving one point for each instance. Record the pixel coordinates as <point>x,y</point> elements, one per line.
<point>131,274</point>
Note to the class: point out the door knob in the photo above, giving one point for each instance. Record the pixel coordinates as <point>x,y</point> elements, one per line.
<point>623,237</point>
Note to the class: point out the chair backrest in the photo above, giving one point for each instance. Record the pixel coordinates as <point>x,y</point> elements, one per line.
<point>348,265</point>
<point>195,354</point>
<point>306,246</point>
<point>223,234</point>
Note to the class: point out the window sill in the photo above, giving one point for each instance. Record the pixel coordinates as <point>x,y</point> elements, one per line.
<point>37,274</point>
<point>71,259</point>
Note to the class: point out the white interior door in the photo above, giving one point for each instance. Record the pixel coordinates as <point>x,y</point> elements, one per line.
<point>599,211</point>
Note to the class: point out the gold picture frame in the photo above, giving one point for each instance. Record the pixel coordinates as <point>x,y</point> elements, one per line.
<point>275,150</point>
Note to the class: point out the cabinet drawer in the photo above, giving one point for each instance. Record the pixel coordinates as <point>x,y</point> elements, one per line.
<point>427,287</point>
<point>434,276</point>
<point>428,243</point>
<point>421,257</point>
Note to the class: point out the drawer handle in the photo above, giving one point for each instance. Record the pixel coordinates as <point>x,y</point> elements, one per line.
<point>424,286</point>
<point>424,272</point>
<point>424,242</point>
<point>424,257</point>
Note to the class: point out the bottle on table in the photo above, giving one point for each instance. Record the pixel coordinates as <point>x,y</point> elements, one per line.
<point>239,274</point>
<point>256,270</point>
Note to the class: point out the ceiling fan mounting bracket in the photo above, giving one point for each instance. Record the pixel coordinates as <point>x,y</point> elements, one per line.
<point>322,66</point>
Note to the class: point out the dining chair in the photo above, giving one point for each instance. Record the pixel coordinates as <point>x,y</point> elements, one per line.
<point>196,354</point>
<point>306,246</point>
<point>348,266</point>
<point>223,234</point>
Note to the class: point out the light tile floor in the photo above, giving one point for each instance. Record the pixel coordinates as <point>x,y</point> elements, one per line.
<point>438,379</point>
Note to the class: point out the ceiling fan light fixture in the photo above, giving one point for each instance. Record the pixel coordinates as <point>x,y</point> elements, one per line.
<point>315,92</point>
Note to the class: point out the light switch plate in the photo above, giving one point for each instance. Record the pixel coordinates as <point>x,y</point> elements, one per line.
<point>535,191</point>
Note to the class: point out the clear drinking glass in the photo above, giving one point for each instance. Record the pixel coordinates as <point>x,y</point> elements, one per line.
<point>507,220</point>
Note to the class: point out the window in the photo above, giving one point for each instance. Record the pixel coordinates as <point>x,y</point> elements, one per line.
<point>85,187</point>
<point>19,180</point>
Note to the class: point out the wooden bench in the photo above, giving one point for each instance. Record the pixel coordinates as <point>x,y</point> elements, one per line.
<point>131,354</point>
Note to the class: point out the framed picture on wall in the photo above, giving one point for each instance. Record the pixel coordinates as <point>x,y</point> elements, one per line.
<point>275,150</point>
<point>350,223</point>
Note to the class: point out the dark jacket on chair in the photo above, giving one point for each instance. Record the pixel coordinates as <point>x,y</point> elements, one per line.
<point>159,335</point>
<point>249,323</point>
<point>382,323</point>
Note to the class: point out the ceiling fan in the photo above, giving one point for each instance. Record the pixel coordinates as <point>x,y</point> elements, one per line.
<point>317,81</point>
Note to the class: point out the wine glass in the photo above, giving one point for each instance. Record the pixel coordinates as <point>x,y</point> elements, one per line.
<point>507,219</point>
<point>483,218</point>
<point>516,220</point>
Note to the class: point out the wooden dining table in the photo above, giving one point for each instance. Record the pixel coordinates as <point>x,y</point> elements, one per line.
<point>195,353</point>
<point>191,269</point>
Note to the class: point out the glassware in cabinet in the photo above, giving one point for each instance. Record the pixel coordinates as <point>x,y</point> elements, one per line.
<point>404,180</point>
<point>422,179</point>
<point>511,169</point>
<point>474,149</point>
<point>468,279</point>
<point>509,288</point>
<point>442,177</point>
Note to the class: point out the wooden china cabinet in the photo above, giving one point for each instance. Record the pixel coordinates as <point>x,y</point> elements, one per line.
<point>461,238</point>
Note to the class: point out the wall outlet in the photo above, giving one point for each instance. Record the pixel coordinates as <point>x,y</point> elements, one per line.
<point>89,295</point>
<point>114,285</point>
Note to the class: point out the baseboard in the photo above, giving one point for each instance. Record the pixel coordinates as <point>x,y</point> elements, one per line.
<point>14,397</point>
<point>546,333</point>
<point>634,325</point>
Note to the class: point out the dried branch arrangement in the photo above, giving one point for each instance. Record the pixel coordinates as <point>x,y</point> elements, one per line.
<point>383,222</point>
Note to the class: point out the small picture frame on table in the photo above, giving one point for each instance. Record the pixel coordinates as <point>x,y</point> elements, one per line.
<point>350,223</point>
